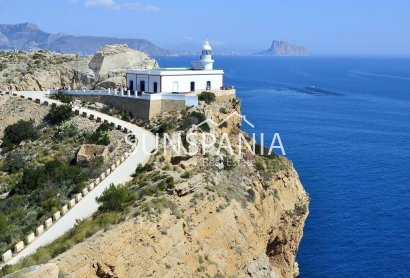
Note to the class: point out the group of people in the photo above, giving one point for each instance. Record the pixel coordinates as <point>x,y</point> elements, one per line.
<point>62,88</point>
<point>10,88</point>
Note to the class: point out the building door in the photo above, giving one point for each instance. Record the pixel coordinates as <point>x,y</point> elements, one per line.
<point>155,87</point>
<point>142,85</point>
<point>131,87</point>
<point>192,86</point>
<point>208,85</point>
<point>175,87</point>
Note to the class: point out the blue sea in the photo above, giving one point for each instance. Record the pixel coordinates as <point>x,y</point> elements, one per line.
<point>345,124</point>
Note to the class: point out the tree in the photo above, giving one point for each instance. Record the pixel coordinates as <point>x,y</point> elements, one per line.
<point>64,98</point>
<point>115,198</point>
<point>208,97</point>
<point>59,114</point>
<point>20,131</point>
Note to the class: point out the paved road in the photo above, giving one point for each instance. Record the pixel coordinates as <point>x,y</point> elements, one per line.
<point>87,206</point>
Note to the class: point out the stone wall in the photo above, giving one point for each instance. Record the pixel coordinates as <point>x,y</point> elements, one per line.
<point>139,108</point>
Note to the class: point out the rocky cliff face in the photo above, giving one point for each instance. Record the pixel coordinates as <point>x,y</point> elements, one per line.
<point>29,37</point>
<point>42,70</point>
<point>215,219</point>
<point>282,48</point>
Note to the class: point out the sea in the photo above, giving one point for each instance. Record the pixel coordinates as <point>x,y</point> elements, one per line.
<point>345,124</point>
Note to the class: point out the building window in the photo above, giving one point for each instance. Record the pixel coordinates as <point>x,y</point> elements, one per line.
<point>142,85</point>
<point>192,86</point>
<point>131,87</point>
<point>208,85</point>
<point>155,87</point>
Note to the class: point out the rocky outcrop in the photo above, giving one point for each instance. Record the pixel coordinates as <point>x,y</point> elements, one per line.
<point>109,62</point>
<point>282,48</point>
<point>42,70</point>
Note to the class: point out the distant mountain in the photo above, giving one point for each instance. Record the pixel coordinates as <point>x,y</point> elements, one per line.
<point>28,37</point>
<point>282,48</point>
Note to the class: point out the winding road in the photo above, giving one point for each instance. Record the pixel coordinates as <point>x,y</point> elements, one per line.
<point>88,205</point>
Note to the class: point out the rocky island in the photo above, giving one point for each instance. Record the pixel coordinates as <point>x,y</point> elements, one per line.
<point>282,48</point>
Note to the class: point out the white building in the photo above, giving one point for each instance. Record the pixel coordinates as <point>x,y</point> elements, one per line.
<point>199,77</point>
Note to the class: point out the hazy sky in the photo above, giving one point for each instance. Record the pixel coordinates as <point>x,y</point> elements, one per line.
<point>326,27</point>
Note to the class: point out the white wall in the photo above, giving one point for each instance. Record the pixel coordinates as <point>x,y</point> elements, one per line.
<point>184,82</point>
<point>169,81</point>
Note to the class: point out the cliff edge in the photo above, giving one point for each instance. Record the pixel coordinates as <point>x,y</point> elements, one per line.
<point>199,215</point>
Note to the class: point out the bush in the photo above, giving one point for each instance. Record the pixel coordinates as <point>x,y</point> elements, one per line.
<point>20,131</point>
<point>115,198</point>
<point>59,114</point>
<point>195,118</point>
<point>141,169</point>
<point>4,223</point>
<point>33,178</point>
<point>13,162</point>
<point>167,125</point>
<point>208,97</point>
<point>65,129</point>
<point>101,136</point>
<point>64,98</point>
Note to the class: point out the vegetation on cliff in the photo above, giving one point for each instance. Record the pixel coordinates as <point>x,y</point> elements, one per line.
<point>248,209</point>
<point>38,168</point>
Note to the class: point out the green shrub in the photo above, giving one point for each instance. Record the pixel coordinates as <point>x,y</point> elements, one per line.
<point>20,131</point>
<point>64,98</point>
<point>167,125</point>
<point>195,118</point>
<point>33,177</point>
<point>59,114</point>
<point>101,136</point>
<point>115,198</point>
<point>146,168</point>
<point>13,162</point>
<point>4,223</point>
<point>51,205</point>
<point>208,97</point>
<point>65,129</point>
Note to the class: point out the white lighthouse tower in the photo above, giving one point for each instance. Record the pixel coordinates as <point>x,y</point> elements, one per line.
<point>207,59</point>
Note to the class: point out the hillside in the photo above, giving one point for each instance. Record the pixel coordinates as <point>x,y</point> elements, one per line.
<point>282,48</point>
<point>42,70</point>
<point>29,37</point>
<point>193,215</point>
<point>40,163</point>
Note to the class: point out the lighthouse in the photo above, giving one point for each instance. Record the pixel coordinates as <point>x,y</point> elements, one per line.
<point>207,59</point>
<point>199,77</point>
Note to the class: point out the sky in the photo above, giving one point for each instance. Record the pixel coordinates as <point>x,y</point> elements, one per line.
<point>326,27</point>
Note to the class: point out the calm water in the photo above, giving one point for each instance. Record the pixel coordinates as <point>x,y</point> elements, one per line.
<point>352,152</point>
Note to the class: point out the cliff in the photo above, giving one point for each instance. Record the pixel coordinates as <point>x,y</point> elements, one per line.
<point>42,70</point>
<point>282,48</point>
<point>196,218</point>
<point>29,37</point>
